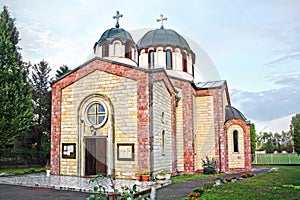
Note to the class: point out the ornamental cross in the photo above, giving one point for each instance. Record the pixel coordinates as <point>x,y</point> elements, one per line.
<point>162,19</point>
<point>118,15</point>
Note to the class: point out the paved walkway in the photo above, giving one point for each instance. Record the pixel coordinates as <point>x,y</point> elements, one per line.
<point>71,183</point>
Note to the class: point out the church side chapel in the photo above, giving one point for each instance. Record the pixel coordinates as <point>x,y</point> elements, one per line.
<point>135,106</point>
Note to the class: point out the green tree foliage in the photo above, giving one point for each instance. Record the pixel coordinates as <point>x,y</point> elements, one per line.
<point>41,100</point>
<point>253,138</point>
<point>15,93</point>
<point>61,71</point>
<point>295,132</point>
<point>271,142</point>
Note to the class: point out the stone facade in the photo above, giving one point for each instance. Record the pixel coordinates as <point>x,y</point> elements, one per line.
<point>141,111</point>
<point>204,130</point>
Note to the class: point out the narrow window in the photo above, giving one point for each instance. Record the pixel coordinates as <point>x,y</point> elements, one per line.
<point>184,62</point>
<point>117,49</point>
<point>127,51</point>
<point>151,58</point>
<point>235,141</point>
<point>163,142</point>
<point>105,50</point>
<point>169,59</point>
<point>193,70</point>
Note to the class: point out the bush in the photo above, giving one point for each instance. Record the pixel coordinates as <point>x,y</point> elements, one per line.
<point>199,190</point>
<point>209,185</point>
<point>209,165</point>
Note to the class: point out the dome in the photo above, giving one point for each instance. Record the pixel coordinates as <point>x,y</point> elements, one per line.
<point>233,113</point>
<point>116,33</point>
<point>163,37</point>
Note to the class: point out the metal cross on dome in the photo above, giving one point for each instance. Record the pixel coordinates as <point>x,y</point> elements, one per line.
<point>162,19</point>
<point>118,15</point>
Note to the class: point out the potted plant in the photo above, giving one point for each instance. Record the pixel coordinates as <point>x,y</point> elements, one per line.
<point>138,175</point>
<point>160,176</point>
<point>145,175</point>
<point>167,174</point>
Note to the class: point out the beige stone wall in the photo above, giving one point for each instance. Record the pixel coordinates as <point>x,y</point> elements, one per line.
<point>179,134</point>
<point>204,130</point>
<point>162,104</point>
<point>121,93</point>
<point>236,159</point>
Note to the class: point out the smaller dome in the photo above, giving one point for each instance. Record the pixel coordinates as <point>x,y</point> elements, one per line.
<point>163,37</point>
<point>233,113</point>
<point>116,33</point>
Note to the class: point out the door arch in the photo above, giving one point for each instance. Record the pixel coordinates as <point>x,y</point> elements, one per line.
<point>95,136</point>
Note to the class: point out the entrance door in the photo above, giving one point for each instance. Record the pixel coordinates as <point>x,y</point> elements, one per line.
<point>95,156</point>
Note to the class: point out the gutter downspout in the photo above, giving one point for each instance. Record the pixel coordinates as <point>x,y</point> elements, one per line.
<point>219,134</point>
<point>150,84</point>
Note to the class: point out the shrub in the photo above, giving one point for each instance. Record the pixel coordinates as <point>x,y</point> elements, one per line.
<point>247,175</point>
<point>229,179</point>
<point>193,195</point>
<point>209,165</point>
<point>209,185</point>
<point>199,190</point>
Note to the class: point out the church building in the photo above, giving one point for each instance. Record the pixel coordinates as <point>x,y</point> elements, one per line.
<point>134,105</point>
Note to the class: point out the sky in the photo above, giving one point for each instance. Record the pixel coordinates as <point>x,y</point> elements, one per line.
<point>254,44</point>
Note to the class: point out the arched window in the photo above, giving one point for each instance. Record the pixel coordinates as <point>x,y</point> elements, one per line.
<point>235,141</point>
<point>163,142</point>
<point>117,49</point>
<point>127,50</point>
<point>169,59</point>
<point>151,58</point>
<point>184,62</point>
<point>105,50</point>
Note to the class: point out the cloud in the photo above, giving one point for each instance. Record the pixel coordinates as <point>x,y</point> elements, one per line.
<point>270,104</point>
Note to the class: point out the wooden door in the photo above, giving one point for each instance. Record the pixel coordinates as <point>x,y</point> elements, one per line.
<point>95,156</point>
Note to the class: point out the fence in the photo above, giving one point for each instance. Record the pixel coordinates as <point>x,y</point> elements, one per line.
<point>279,159</point>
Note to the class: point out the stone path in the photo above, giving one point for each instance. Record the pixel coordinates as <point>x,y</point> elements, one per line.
<point>166,190</point>
<point>71,183</point>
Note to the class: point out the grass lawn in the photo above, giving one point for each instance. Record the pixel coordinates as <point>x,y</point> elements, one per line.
<point>281,184</point>
<point>188,177</point>
<point>20,171</point>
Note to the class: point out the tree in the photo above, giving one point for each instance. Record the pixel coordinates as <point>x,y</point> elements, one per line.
<point>61,71</point>
<point>295,132</point>
<point>41,100</point>
<point>253,138</point>
<point>15,92</point>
